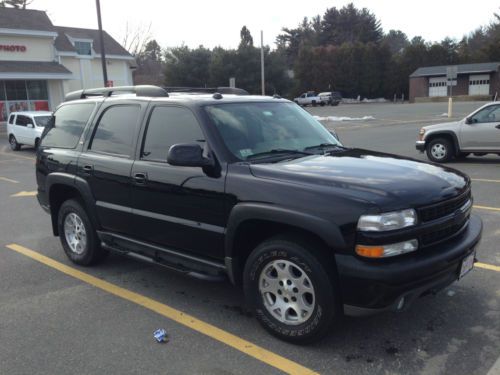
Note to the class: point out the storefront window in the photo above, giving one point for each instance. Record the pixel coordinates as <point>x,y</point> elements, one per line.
<point>22,95</point>
<point>37,90</point>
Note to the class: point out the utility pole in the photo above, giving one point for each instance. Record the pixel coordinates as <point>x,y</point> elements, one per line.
<point>101,40</point>
<point>263,82</point>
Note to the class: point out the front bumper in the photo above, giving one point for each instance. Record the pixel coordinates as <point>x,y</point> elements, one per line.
<point>420,146</point>
<point>368,286</point>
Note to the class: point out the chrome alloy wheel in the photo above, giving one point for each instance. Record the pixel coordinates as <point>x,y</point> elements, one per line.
<point>287,292</point>
<point>74,231</point>
<point>438,150</point>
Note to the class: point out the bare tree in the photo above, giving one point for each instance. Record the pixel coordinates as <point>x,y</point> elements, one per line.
<point>136,38</point>
<point>18,4</point>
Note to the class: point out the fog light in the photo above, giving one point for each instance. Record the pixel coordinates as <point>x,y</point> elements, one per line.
<point>384,251</point>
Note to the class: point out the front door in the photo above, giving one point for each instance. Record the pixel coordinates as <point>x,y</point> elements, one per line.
<point>107,161</point>
<point>483,132</point>
<point>176,207</point>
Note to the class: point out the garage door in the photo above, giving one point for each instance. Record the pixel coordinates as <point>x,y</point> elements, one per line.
<point>437,86</point>
<point>479,84</point>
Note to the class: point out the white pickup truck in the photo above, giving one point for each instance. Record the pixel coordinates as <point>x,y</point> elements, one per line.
<point>309,98</point>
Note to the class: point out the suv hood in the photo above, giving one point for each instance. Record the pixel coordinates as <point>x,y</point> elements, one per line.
<point>391,182</point>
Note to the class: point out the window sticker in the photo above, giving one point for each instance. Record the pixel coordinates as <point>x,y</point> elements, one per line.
<point>245,152</point>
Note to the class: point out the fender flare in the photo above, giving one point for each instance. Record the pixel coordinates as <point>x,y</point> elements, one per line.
<point>81,186</point>
<point>438,133</point>
<point>242,212</point>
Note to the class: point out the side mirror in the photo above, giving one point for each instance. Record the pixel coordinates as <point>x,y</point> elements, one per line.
<point>468,120</point>
<point>188,155</point>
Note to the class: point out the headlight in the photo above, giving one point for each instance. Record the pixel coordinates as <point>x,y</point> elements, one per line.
<point>387,221</point>
<point>421,134</point>
<point>384,251</point>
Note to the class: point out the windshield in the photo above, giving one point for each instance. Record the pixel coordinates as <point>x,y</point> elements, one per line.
<point>42,120</point>
<point>268,128</point>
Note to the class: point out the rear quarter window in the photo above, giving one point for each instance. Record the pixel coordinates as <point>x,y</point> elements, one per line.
<point>67,125</point>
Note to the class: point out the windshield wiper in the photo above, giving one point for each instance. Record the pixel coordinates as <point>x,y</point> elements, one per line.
<point>323,146</point>
<point>275,151</point>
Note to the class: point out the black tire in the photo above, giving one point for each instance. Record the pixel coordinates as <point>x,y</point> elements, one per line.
<point>440,150</point>
<point>14,146</point>
<point>314,103</point>
<point>37,144</point>
<point>324,303</point>
<point>91,252</point>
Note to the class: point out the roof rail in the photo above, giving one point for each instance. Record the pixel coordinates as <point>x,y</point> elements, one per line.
<point>207,90</point>
<point>140,90</point>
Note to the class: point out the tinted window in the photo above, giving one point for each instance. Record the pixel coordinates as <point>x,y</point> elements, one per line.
<point>488,114</point>
<point>42,120</point>
<point>116,130</point>
<point>23,120</point>
<point>168,126</point>
<point>11,119</point>
<point>67,126</point>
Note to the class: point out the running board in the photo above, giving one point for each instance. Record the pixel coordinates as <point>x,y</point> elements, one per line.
<point>188,265</point>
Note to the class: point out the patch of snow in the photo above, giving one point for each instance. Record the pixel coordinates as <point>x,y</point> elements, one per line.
<point>335,118</point>
<point>443,115</point>
<point>365,100</point>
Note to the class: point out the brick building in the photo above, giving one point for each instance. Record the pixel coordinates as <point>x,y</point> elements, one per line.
<point>474,81</point>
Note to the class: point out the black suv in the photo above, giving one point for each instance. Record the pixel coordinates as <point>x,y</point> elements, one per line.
<point>253,188</point>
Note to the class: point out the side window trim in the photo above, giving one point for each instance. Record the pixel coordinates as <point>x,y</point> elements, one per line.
<point>144,134</point>
<point>96,126</point>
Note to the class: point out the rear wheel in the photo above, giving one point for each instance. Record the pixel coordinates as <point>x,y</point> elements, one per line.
<point>290,290</point>
<point>314,103</point>
<point>440,150</point>
<point>13,143</point>
<point>37,143</point>
<point>78,236</point>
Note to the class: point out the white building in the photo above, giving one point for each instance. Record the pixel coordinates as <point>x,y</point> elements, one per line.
<point>40,62</point>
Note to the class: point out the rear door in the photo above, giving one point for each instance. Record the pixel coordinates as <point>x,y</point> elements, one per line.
<point>107,159</point>
<point>21,131</point>
<point>176,207</point>
<point>483,133</point>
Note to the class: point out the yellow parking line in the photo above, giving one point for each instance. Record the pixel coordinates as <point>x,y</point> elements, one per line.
<point>17,156</point>
<point>486,208</point>
<point>25,194</point>
<point>189,321</point>
<point>8,180</point>
<point>486,266</point>
<point>484,180</point>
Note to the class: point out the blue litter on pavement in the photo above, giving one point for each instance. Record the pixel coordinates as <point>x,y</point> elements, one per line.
<point>160,335</point>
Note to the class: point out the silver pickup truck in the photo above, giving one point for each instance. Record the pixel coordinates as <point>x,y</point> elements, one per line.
<point>478,133</point>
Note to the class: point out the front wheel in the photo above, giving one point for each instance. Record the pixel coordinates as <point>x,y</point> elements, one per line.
<point>290,290</point>
<point>440,150</point>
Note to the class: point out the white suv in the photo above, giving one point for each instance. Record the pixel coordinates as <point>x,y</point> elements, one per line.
<point>25,128</point>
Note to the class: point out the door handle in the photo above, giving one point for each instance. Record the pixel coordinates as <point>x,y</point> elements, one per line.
<point>87,169</point>
<point>140,178</point>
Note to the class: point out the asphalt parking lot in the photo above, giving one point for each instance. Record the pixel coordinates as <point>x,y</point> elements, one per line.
<point>57,318</point>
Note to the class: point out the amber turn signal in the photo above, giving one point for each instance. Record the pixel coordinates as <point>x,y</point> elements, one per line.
<point>370,251</point>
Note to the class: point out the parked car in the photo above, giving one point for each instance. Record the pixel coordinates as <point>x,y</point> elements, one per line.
<point>309,98</point>
<point>25,128</point>
<point>477,133</point>
<point>330,97</point>
<point>253,189</point>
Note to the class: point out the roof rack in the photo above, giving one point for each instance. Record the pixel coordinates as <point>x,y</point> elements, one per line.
<point>207,90</point>
<point>140,90</point>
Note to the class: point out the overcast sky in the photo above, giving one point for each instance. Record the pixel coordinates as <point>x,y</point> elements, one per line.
<point>218,22</point>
